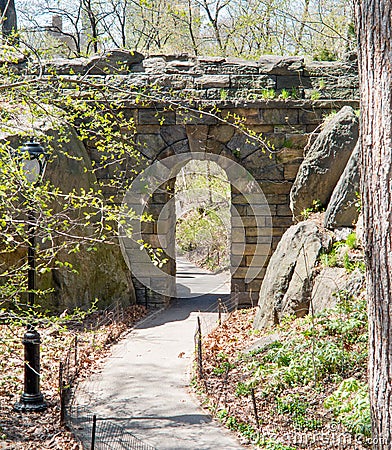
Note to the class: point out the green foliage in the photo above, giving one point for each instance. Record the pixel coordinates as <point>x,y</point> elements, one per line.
<point>248,431</point>
<point>243,389</point>
<point>351,241</point>
<point>350,322</point>
<point>340,255</point>
<point>317,206</point>
<point>315,95</point>
<point>322,349</point>
<point>223,94</point>
<point>285,94</point>
<point>297,408</point>
<point>350,405</point>
<point>329,259</point>
<point>268,94</point>
<point>224,365</point>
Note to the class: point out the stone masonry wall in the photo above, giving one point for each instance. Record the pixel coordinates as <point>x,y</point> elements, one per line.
<point>283,99</point>
<point>285,125</point>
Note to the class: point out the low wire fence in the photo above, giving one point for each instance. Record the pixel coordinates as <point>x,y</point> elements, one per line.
<point>101,433</point>
<point>207,322</point>
<point>94,433</point>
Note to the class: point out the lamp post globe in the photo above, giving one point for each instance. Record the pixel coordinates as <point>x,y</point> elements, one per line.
<point>32,158</point>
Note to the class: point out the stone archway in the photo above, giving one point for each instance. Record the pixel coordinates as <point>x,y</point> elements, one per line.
<point>167,135</point>
<point>250,221</point>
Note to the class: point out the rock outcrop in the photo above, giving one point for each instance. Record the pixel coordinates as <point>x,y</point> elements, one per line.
<point>342,210</point>
<point>102,274</point>
<point>331,284</point>
<point>287,286</point>
<point>325,162</point>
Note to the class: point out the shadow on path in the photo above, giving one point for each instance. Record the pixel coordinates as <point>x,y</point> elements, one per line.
<point>144,384</point>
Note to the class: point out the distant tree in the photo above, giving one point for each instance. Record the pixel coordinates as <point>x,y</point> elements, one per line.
<point>8,17</point>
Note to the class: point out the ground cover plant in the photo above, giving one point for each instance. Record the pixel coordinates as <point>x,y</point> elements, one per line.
<point>300,385</point>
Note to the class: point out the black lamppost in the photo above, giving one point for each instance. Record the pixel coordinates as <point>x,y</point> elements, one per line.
<point>33,158</point>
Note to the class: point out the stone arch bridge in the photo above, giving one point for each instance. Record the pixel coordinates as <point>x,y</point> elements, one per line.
<point>283,99</point>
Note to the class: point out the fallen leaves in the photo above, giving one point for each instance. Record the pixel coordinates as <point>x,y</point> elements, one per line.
<point>95,334</point>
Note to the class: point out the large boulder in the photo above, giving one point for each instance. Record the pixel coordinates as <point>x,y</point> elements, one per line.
<point>100,275</point>
<point>287,285</point>
<point>331,284</point>
<point>325,162</point>
<point>342,208</point>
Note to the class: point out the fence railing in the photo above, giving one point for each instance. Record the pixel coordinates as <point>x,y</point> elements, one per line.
<point>100,433</point>
<point>94,433</point>
<point>217,392</point>
<point>207,323</point>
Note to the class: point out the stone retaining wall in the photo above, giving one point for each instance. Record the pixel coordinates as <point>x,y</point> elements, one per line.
<point>196,101</point>
<point>285,125</point>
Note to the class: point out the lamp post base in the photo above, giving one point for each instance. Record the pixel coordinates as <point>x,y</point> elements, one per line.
<point>31,403</point>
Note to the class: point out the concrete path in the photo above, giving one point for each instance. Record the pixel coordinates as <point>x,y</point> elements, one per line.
<point>144,385</point>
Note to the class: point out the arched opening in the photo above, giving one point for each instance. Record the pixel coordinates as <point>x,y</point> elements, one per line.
<point>203,229</point>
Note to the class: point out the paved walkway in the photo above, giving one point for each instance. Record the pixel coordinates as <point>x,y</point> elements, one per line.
<point>144,385</point>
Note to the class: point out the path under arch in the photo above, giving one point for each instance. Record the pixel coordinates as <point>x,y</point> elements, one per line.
<point>144,385</point>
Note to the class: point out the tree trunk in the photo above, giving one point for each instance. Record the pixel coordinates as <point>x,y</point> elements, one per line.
<point>374,24</point>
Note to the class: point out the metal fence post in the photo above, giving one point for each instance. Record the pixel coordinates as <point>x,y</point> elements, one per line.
<point>256,413</point>
<point>93,432</point>
<point>199,348</point>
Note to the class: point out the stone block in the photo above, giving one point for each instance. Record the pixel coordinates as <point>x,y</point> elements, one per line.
<point>212,81</point>
<point>283,210</point>
<point>237,261</point>
<point>238,234</point>
<point>240,209</point>
<point>173,133</point>
<point>277,232</point>
<point>250,116</point>
<point>292,81</point>
<point>235,65</point>
<point>280,65</point>
<point>261,129</point>
<point>279,116</point>
<point>237,285</point>
<point>282,221</point>
<point>244,221</point>
<point>269,187</point>
<point>148,227</point>
<point>238,249</point>
<point>255,285</point>
<point>257,261</point>
<point>274,199</point>
<point>312,116</point>
<point>289,155</point>
<point>149,145</point>
<point>195,118</point>
<point>248,199</point>
<point>253,81</point>
<point>221,133</point>
<point>148,129</point>
<point>153,116</point>
<point>291,170</point>
<point>197,137</point>
<point>242,145</point>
